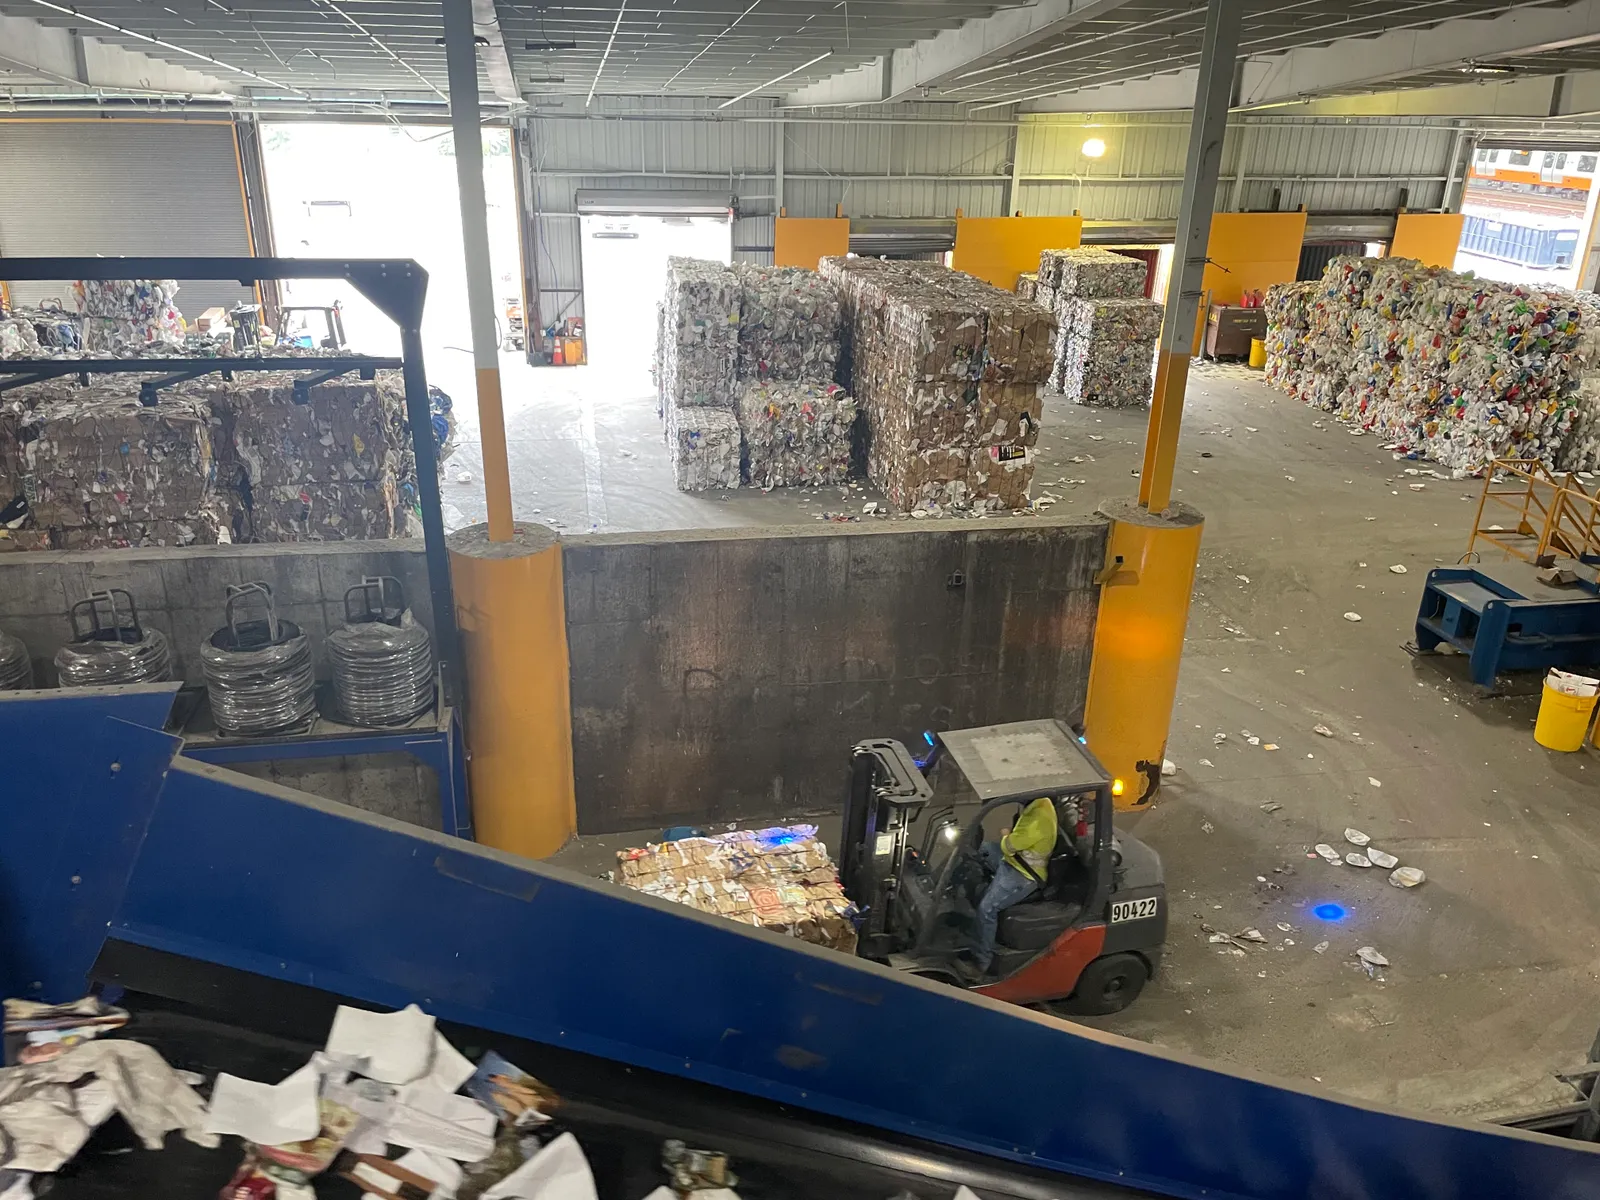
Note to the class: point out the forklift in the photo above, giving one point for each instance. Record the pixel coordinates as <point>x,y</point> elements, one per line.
<point>1088,937</point>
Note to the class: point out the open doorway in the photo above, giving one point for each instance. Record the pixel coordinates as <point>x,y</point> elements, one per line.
<point>625,270</point>
<point>1527,214</point>
<point>386,191</point>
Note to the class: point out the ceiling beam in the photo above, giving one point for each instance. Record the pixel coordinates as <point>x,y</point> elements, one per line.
<point>61,55</point>
<point>495,57</point>
<point>1353,64</point>
<point>904,74</point>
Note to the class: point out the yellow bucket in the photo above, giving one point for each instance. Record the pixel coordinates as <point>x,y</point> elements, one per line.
<point>1258,353</point>
<point>1563,719</point>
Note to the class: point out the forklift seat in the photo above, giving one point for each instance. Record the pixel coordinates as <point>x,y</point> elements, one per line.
<point>1034,924</point>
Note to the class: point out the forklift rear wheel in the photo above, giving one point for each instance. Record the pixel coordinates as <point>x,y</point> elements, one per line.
<point>1107,985</point>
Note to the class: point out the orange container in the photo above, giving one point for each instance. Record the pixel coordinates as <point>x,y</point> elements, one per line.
<point>574,351</point>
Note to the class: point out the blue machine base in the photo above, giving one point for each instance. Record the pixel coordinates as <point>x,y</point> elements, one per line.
<point>1504,619</point>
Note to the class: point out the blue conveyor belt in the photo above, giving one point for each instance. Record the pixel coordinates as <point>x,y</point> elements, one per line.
<point>239,873</point>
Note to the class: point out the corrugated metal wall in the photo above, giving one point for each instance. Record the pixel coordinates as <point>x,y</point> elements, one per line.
<point>924,161</point>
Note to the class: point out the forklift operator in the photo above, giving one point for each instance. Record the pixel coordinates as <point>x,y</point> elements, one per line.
<point>1019,860</point>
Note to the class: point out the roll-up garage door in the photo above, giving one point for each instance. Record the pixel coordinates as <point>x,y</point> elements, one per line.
<point>653,202</point>
<point>123,187</point>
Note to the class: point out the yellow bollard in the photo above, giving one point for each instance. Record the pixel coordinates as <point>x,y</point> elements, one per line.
<point>511,609</point>
<point>1138,641</point>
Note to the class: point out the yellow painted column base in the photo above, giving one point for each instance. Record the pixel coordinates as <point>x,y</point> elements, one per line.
<point>1138,641</point>
<point>511,608</point>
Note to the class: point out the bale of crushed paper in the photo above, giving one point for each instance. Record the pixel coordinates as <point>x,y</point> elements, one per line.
<point>1028,285</point>
<point>795,434</point>
<point>947,370</point>
<point>699,347</point>
<point>97,468</point>
<point>788,324</point>
<point>704,446</point>
<point>779,879</point>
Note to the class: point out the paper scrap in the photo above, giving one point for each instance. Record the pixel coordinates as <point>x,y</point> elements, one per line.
<point>397,1046</point>
<point>269,1114</point>
<point>558,1172</point>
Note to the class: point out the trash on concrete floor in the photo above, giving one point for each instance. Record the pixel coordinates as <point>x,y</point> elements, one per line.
<point>1355,837</point>
<point>779,878</point>
<point>1407,877</point>
<point>1380,859</point>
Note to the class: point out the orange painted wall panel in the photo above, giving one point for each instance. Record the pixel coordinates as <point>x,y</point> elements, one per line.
<point>1430,238</point>
<point>998,249</point>
<point>1250,252</point>
<point>801,241</point>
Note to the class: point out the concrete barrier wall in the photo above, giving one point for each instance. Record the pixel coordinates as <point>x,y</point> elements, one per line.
<point>716,675</point>
<point>725,674</point>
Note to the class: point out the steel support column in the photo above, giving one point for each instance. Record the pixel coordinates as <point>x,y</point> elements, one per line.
<point>1217,55</point>
<point>461,57</point>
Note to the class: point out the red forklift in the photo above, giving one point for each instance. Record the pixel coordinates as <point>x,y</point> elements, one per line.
<point>1088,938</point>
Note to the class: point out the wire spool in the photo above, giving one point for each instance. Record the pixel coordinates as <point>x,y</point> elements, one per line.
<point>258,672</point>
<point>109,645</point>
<point>16,665</point>
<point>382,660</point>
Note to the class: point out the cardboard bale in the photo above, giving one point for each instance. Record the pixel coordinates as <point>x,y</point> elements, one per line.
<point>927,345</point>
<point>788,324</point>
<point>95,458</point>
<point>795,434</point>
<point>328,512</point>
<point>704,446</point>
<point>779,879</point>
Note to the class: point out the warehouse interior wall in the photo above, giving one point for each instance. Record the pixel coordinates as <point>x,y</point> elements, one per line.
<point>123,186</point>
<point>928,160</point>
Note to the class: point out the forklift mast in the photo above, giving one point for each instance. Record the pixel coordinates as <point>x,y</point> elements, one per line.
<point>887,791</point>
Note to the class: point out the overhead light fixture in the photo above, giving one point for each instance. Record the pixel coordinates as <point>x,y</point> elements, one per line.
<point>549,79</point>
<point>1473,68</point>
<point>549,46</point>
<point>777,79</point>
<point>1094,148</point>
<point>478,40</point>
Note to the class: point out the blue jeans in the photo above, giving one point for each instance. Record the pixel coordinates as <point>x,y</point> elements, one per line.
<point>1010,886</point>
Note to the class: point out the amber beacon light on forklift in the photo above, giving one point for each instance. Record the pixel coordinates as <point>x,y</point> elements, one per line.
<point>1087,939</point>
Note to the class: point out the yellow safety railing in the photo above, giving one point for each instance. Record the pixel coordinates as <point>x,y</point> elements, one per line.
<point>1517,510</point>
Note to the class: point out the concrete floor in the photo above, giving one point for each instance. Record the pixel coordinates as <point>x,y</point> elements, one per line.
<point>1494,959</point>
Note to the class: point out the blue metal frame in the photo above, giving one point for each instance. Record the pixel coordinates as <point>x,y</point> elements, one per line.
<point>82,770</point>
<point>248,875</point>
<point>440,747</point>
<point>1499,629</point>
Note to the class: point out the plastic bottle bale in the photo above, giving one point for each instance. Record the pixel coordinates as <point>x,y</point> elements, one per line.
<point>16,666</point>
<point>381,659</point>
<point>701,347</point>
<point>1109,354</point>
<point>110,645</point>
<point>795,434</point>
<point>704,445</point>
<point>789,320</point>
<point>123,315</point>
<point>258,671</point>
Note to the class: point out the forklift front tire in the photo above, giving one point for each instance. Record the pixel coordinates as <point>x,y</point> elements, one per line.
<point>1107,985</point>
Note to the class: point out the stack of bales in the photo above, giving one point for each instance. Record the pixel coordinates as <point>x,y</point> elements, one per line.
<point>747,361</point>
<point>698,352</point>
<point>948,371</point>
<point>1107,330</point>
<point>212,461</point>
<point>1444,366</point>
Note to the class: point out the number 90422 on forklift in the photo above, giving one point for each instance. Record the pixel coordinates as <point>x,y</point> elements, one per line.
<point>1090,933</point>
